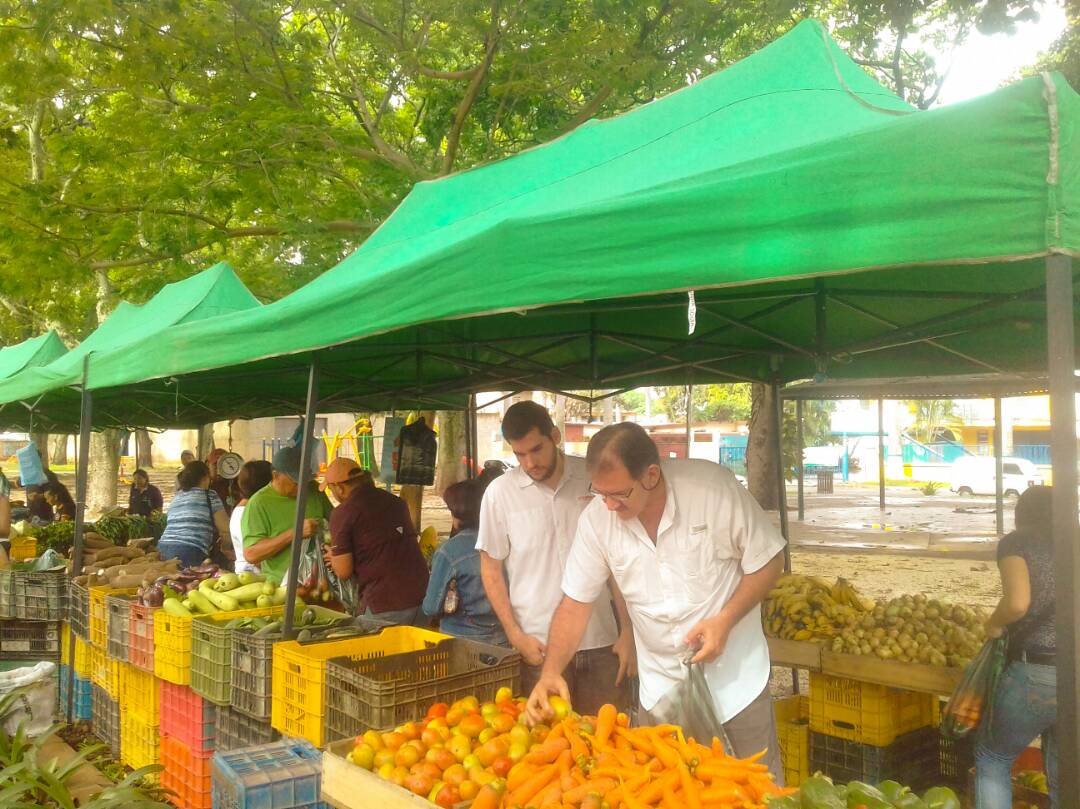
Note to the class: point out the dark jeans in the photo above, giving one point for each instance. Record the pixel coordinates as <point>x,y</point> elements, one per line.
<point>1025,706</point>
<point>189,555</point>
<point>413,616</point>
<point>591,679</point>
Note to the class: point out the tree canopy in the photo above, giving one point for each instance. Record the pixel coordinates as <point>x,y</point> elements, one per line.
<point>142,141</point>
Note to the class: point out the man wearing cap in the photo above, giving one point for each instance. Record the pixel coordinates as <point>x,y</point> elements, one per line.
<point>373,541</point>
<point>269,519</point>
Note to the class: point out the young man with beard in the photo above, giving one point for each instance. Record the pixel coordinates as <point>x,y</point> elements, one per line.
<point>528,520</point>
<point>694,555</point>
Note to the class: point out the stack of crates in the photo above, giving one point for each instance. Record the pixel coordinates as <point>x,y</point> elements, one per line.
<point>187,729</point>
<point>105,717</point>
<point>793,733</point>
<point>862,731</point>
<point>233,730</point>
<point>81,705</point>
<point>140,717</point>
<point>282,775</point>
<point>32,607</point>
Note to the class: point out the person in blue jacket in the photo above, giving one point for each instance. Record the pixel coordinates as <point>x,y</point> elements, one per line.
<point>455,567</point>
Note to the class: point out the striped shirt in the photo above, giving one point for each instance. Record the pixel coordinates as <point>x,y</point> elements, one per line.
<point>189,521</point>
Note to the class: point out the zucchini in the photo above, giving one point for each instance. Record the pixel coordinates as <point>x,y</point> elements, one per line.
<point>227,582</point>
<point>269,629</point>
<point>174,607</point>
<point>223,601</point>
<point>202,603</point>
<point>247,577</point>
<point>264,601</point>
<point>247,592</point>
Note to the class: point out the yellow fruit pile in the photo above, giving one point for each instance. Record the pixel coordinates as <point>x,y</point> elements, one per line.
<point>809,608</point>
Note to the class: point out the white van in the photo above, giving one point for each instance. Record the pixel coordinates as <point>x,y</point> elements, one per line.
<point>976,474</point>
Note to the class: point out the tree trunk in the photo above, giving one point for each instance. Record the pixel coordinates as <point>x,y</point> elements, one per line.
<point>104,463</point>
<point>144,457</point>
<point>58,452</point>
<point>609,410</point>
<point>205,444</point>
<point>560,413</point>
<point>41,441</point>
<point>450,469</point>
<point>760,456</point>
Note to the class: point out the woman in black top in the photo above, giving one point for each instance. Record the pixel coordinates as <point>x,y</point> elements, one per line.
<point>1025,702</point>
<point>144,497</point>
<point>63,506</point>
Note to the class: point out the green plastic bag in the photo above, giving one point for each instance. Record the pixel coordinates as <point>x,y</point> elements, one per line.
<point>972,701</point>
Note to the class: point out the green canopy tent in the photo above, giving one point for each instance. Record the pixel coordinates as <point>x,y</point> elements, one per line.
<point>40,350</point>
<point>823,226</point>
<point>46,389</point>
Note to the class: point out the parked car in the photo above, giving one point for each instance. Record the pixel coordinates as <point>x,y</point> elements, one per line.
<point>976,474</point>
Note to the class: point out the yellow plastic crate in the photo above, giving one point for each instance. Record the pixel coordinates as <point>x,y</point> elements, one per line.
<point>172,643</point>
<point>867,713</point>
<point>99,615</point>
<point>139,742</point>
<point>23,548</point>
<point>793,732</point>
<point>105,672</point>
<point>140,695</point>
<point>82,652</point>
<point>299,684</point>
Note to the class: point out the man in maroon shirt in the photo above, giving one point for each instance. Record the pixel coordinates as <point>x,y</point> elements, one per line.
<point>374,541</point>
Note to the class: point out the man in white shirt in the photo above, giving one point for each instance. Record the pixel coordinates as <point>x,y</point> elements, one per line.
<point>694,555</point>
<point>528,520</point>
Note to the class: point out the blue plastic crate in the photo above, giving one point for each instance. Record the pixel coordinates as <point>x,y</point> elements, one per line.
<point>281,775</point>
<point>81,707</point>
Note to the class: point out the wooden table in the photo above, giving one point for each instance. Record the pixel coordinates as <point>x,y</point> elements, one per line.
<point>939,680</point>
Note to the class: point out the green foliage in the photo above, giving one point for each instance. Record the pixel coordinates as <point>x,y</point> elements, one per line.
<point>710,402</point>
<point>932,418</point>
<point>817,429</point>
<point>1064,55</point>
<point>930,488</point>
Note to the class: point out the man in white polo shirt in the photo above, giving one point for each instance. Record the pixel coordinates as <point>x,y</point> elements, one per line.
<point>528,520</point>
<point>694,555</point>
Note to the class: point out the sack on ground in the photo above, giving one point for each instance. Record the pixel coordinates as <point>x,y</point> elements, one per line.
<point>35,698</point>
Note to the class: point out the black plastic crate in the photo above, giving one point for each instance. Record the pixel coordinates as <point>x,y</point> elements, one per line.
<point>117,616</point>
<point>79,610</point>
<point>233,730</point>
<point>252,673</point>
<point>383,692</point>
<point>30,640</point>
<point>7,594</point>
<point>913,759</point>
<point>105,718</point>
<point>956,758</point>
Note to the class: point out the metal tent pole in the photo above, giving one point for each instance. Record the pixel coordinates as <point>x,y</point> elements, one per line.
<point>302,492</point>
<point>1061,366</point>
<point>881,455</point>
<point>86,412</point>
<point>800,463</point>
<point>999,481</point>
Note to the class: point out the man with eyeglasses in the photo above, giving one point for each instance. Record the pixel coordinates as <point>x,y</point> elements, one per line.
<point>694,556</point>
<point>528,519</point>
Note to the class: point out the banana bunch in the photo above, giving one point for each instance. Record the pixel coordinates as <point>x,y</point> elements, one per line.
<point>809,608</point>
<point>1032,779</point>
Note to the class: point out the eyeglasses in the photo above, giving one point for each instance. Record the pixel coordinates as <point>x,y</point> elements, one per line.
<point>622,497</point>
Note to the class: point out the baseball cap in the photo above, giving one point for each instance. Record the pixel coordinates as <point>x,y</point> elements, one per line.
<point>340,470</point>
<point>287,462</point>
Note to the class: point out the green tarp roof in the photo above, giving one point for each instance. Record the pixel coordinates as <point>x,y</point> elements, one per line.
<point>130,330</point>
<point>39,350</point>
<point>824,226</point>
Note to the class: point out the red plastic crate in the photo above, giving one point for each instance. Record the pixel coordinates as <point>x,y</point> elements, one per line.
<point>187,717</point>
<point>141,636</point>
<point>186,772</point>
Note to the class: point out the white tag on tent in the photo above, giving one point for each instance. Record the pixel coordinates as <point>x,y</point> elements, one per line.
<point>691,313</point>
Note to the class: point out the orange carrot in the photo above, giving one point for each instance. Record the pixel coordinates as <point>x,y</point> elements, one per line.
<point>605,725</point>
<point>654,791</point>
<point>672,800</point>
<point>519,774</point>
<point>547,752</point>
<point>550,796</point>
<point>637,740</point>
<point>723,792</point>
<point>689,787</point>
<point>598,785</point>
<point>668,756</point>
<point>531,788</point>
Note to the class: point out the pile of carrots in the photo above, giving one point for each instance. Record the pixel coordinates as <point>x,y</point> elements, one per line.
<point>599,762</point>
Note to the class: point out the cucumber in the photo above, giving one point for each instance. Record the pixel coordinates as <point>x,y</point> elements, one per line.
<point>201,602</point>
<point>235,623</point>
<point>174,607</point>
<point>223,601</point>
<point>269,629</point>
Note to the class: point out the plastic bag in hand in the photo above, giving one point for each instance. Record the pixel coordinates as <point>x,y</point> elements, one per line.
<point>690,705</point>
<point>972,700</point>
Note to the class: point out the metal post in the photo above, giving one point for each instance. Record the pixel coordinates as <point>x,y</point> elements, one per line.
<point>800,463</point>
<point>86,413</point>
<point>999,461</point>
<point>881,456</point>
<point>302,492</point>
<point>1061,366</point>
<point>689,418</point>
<point>470,459</point>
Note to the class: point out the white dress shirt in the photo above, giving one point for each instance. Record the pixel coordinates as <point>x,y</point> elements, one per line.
<point>712,532</point>
<point>531,527</point>
<point>237,534</point>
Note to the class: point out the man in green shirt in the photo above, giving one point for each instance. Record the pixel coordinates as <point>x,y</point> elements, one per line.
<point>270,516</point>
